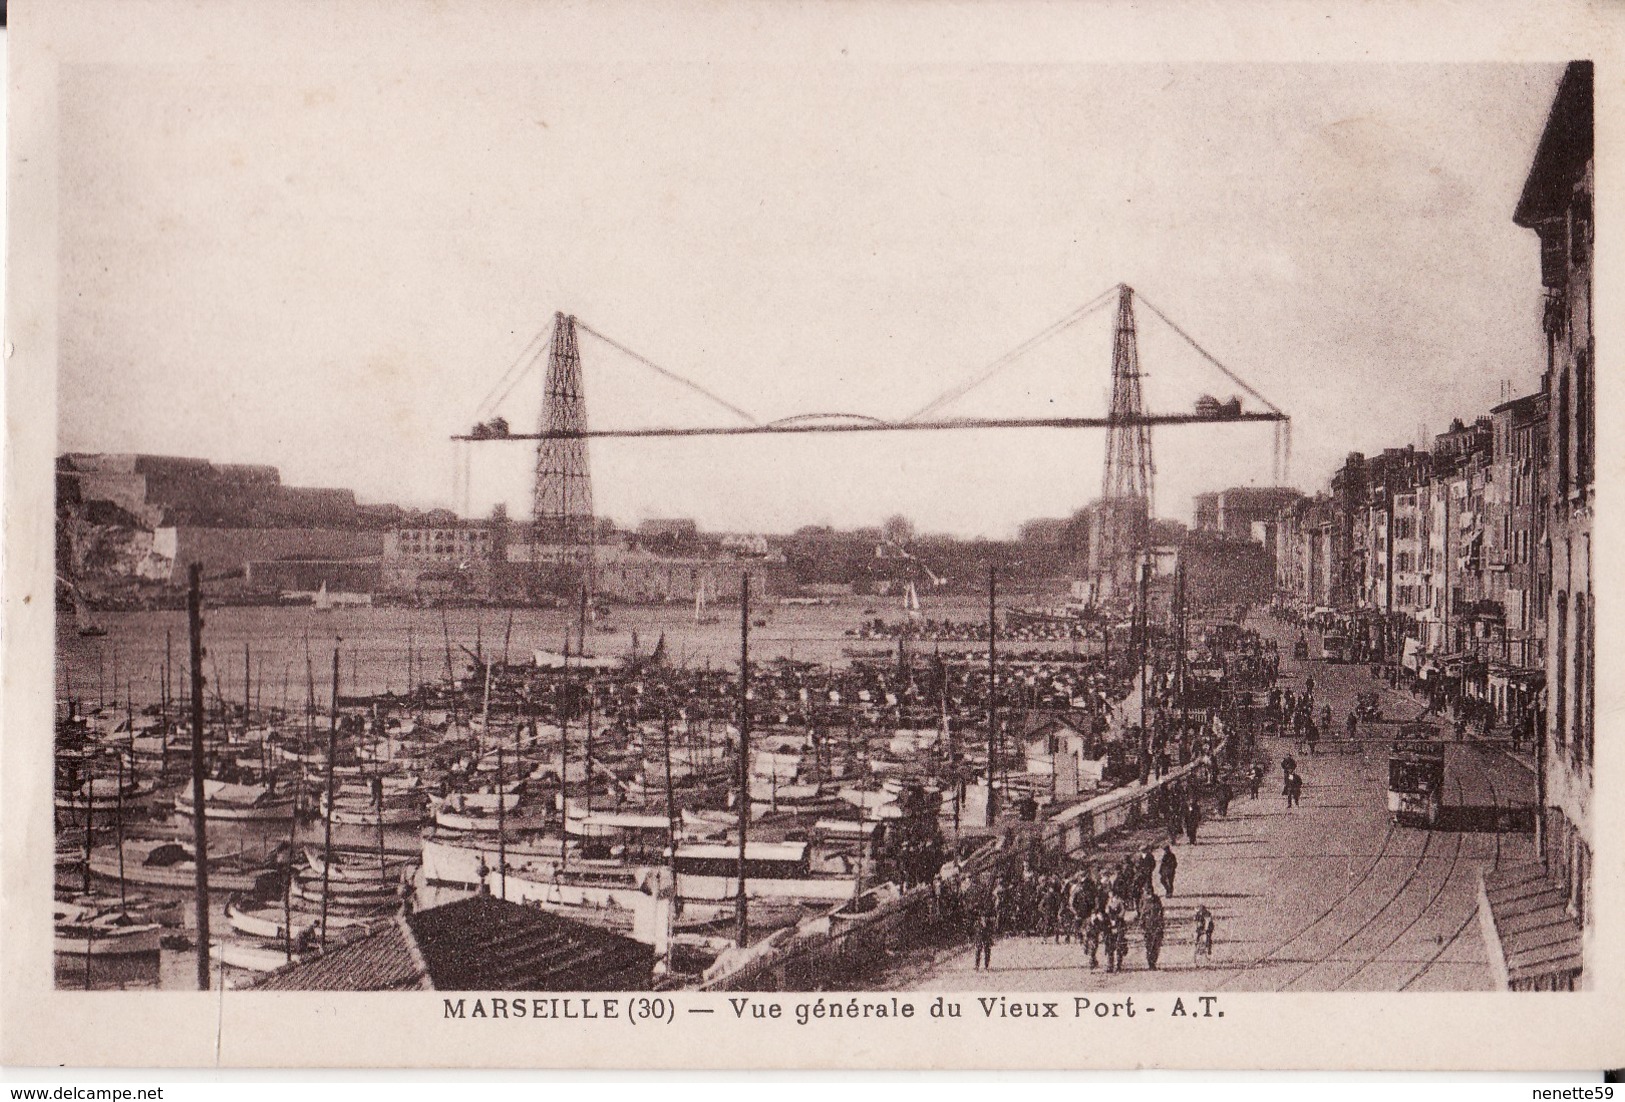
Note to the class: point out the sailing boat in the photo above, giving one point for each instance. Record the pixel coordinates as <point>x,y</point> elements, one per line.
<point>81,615</point>
<point>323,602</point>
<point>701,616</point>
<point>911,602</point>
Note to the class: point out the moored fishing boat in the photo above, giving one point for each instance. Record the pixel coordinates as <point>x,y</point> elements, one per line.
<point>83,931</point>
<point>268,921</point>
<point>237,802</point>
<point>359,867</point>
<point>168,863</point>
<point>250,958</point>
<point>103,794</point>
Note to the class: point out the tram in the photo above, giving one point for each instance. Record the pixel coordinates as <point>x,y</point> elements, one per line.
<point>1416,781</point>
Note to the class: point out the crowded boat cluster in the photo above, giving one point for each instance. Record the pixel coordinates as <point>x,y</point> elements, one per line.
<point>1015,629</point>
<point>603,788</point>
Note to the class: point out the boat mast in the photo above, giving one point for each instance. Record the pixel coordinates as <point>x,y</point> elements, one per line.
<point>671,801</point>
<point>1144,661</point>
<point>992,683</point>
<point>123,899</point>
<point>564,758</point>
<point>200,838</point>
<point>586,793</point>
<point>411,685</point>
<point>741,907</point>
<point>502,828</point>
<point>287,883</point>
<point>332,752</point>
<point>248,690</point>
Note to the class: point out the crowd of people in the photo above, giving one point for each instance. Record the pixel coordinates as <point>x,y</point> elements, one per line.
<point>1116,910</point>
<point>1014,630</point>
<point>1094,906</point>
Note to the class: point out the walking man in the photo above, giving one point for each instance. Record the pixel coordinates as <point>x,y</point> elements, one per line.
<point>1151,924</point>
<point>1094,931</point>
<point>1204,931</point>
<point>1256,779</point>
<point>1193,818</point>
<point>1293,789</point>
<point>987,928</point>
<point>1166,870</point>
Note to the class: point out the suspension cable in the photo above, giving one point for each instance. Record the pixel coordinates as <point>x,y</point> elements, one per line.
<point>527,356</point>
<point>673,376</point>
<point>1208,356</point>
<point>961,389</point>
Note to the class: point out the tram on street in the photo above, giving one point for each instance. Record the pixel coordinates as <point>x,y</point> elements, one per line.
<point>1416,780</point>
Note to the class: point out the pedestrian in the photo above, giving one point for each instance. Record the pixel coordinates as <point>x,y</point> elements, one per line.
<point>1094,932</point>
<point>1193,819</point>
<point>1151,925</point>
<point>1353,723</point>
<point>1051,906</point>
<point>1311,736</point>
<point>1293,789</point>
<point>1289,764</point>
<point>1256,779</point>
<point>987,930</point>
<point>1204,931</point>
<point>1119,939</point>
<point>1148,869</point>
<point>1167,870</point>
<point>1222,798</point>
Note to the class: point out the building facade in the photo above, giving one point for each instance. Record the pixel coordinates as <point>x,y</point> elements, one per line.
<point>1557,205</point>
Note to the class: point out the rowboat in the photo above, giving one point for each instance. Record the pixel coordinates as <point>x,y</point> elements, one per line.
<point>250,958</point>
<point>170,864</point>
<point>266,922</point>
<point>359,868</point>
<point>237,802</point>
<point>84,932</point>
<point>104,795</point>
<point>357,815</point>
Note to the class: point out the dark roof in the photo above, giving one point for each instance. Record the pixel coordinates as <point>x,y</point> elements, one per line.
<point>1523,406</point>
<point>382,959</point>
<point>475,944</point>
<point>1537,935</point>
<point>1565,147</point>
<point>483,944</point>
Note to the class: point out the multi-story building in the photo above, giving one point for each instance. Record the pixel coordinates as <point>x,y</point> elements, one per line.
<point>440,554</point>
<point>1515,530</point>
<point>1539,924</point>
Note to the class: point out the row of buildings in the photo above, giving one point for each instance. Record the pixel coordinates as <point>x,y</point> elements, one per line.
<point>1471,561</point>
<point>130,526</point>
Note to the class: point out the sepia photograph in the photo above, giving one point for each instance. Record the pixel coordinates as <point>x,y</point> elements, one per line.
<point>764,526</point>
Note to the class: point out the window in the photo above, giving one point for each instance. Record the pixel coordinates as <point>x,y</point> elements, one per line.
<point>1587,638</point>
<point>1584,391</point>
<point>1563,401</point>
<point>1577,716</point>
<point>1560,714</point>
<point>1580,228</point>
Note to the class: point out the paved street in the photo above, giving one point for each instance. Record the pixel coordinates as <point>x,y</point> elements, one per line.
<point>1327,896</point>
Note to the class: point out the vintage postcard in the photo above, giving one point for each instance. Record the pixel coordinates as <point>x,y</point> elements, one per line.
<point>811,536</point>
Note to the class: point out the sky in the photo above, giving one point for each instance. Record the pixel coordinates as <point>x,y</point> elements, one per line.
<point>329,270</point>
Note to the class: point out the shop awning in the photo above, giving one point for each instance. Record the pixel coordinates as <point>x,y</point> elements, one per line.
<point>1533,941</point>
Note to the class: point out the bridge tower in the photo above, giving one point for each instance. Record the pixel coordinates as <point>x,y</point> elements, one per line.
<point>1122,523</point>
<point>565,530</point>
